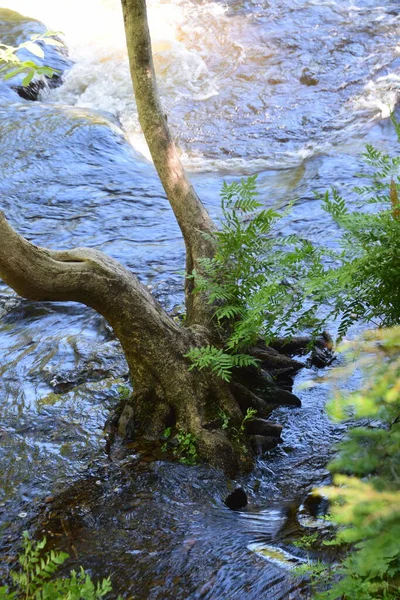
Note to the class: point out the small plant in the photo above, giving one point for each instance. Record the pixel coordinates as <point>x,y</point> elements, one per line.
<point>186,450</point>
<point>238,434</point>
<point>183,444</point>
<point>166,435</point>
<point>36,581</point>
<point>249,416</point>
<point>224,418</point>
<point>306,541</point>
<point>124,392</point>
<point>14,66</point>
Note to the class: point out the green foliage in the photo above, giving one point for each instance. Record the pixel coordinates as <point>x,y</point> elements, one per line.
<point>254,280</point>
<point>35,580</point>
<point>363,281</point>
<point>366,492</point>
<point>306,541</point>
<point>13,65</point>
<point>124,392</point>
<point>183,444</point>
<point>186,450</point>
<point>224,418</point>
<point>167,432</point>
<point>249,416</point>
<point>218,361</point>
<point>238,434</point>
<point>263,284</point>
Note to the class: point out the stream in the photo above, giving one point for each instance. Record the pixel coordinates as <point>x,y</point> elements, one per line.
<point>289,89</point>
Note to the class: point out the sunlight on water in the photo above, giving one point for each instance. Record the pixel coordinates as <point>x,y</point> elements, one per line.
<point>244,87</point>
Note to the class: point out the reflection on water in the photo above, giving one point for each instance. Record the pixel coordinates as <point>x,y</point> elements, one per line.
<point>246,88</point>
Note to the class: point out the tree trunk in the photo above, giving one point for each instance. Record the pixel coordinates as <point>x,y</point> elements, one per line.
<point>192,217</point>
<point>165,391</point>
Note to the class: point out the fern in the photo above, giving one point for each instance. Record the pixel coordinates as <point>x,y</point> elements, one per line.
<point>253,281</point>
<point>262,284</point>
<point>35,580</point>
<point>220,362</point>
<point>364,279</point>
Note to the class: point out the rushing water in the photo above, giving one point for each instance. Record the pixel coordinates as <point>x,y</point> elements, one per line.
<point>289,89</point>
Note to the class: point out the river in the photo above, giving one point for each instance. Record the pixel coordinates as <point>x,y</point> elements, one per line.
<point>289,89</point>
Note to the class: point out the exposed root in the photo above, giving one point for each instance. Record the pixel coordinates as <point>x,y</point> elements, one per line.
<point>212,412</point>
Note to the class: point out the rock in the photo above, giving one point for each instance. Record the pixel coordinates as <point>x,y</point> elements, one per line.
<point>316,504</point>
<point>264,443</point>
<point>263,427</point>
<point>281,397</point>
<point>15,29</point>
<point>237,499</point>
<point>322,354</point>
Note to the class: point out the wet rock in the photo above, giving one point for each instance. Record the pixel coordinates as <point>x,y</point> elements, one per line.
<point>316,505</point>
<point>263,427</point>
<point>264,443</point>
<point>237,499</point>
<point>15,29</point>
<point>282,397</point>
<point>322,354</point>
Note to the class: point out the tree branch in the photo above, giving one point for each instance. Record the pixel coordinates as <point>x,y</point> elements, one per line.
<point>190,213</point>
<point>92,278</point>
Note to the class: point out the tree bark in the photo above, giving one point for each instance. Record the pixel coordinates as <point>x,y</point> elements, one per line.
<point>166,393</point>
<point>192,217</point>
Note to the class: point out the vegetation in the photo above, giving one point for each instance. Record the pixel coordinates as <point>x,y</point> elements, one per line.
<point>363,281</point>
<point>365,495</point>
<point>36,578</point>
<point>13,65</point>
<point>183,446</point>
<point>255,281</point>
<point>267,285</point>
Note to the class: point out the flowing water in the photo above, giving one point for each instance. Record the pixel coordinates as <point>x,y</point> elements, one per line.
<point>291,90</point>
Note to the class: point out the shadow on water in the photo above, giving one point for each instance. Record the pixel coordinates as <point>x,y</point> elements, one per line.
<point>68,178</point>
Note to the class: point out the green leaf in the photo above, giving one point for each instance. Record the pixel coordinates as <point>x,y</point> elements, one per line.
<point>34,49</point>
<point>28,78</point>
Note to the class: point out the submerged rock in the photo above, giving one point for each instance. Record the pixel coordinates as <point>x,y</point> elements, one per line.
<point>263,443</point>
<point>237,499</point>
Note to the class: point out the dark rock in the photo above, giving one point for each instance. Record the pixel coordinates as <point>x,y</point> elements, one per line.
<point>237,499</point>
<point>263,427</point>
<point>316,505</point>
<point>264,443</point>
<point>322,354</point>
<point>281,397</point>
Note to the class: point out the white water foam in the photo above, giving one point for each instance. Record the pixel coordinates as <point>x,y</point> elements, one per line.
<point>229,86</point>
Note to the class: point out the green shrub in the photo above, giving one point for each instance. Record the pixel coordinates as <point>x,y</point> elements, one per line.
<point>36,578</point>
<point>365,494</point>
<point>255,280</point>
<point>364,281</point>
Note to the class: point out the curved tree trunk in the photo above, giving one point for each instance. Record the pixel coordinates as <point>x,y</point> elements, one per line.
<point>165,391</point>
